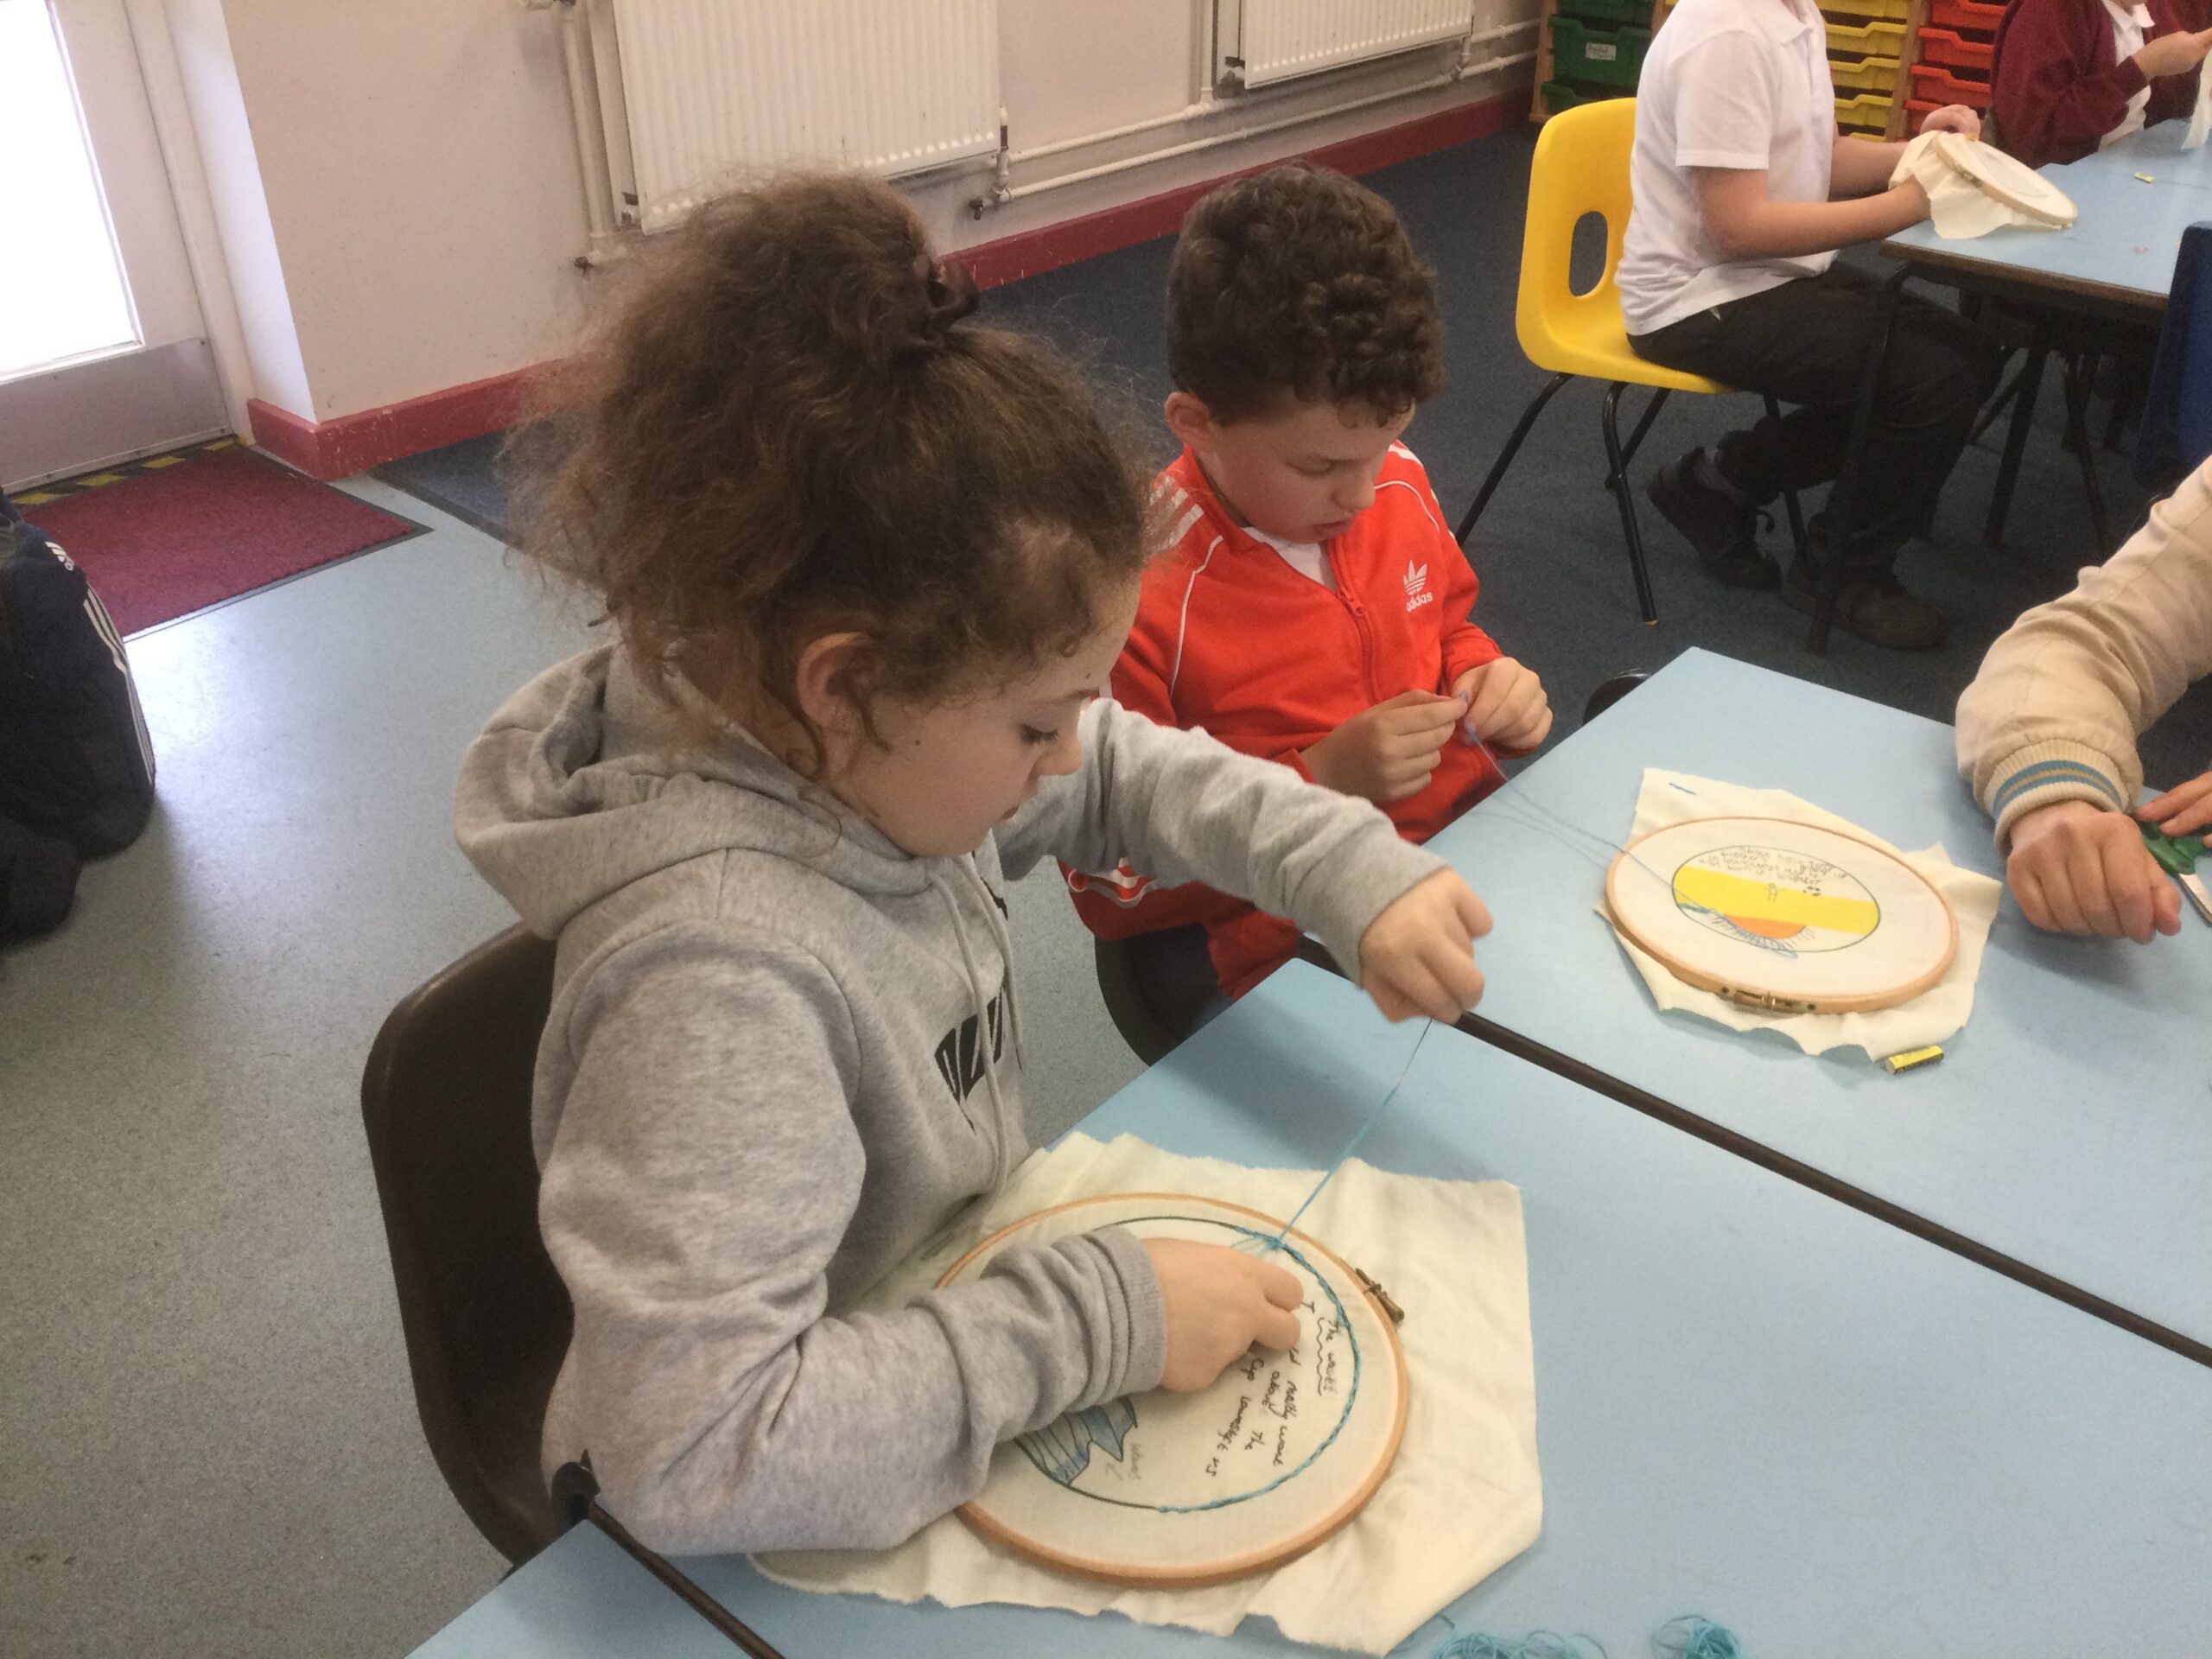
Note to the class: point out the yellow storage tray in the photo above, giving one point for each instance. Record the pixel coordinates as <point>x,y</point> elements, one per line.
<point>1868,112</point>
<point>1891,9</point>
<point>1881,40</point>
<point>1864,74</point>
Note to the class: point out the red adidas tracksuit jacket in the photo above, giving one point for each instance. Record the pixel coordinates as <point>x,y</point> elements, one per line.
<point>1231,639</point>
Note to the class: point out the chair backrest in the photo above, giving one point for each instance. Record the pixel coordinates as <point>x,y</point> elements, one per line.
<point>2174,437</point>
<point>1581,166</point>
<point>445,1099</point>
<point>1610,690</point>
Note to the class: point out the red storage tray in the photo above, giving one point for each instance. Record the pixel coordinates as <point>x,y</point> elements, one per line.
<point>1934,82</point>
<point>1966,14</point>
<point>1956,51</point>
<point>1918,110</point>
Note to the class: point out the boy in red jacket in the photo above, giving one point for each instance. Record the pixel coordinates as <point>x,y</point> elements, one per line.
<point>2073,75</point>
<point>1312,605</point>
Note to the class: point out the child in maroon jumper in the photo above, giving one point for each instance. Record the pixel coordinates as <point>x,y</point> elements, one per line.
<point>2073,75</point>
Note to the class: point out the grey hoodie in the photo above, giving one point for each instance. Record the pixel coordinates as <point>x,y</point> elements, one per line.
<point>782,1054</point>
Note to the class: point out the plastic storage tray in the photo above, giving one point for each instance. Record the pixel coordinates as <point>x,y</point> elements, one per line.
<point>1864,74</point>
<point>1613,12</point>
<point>1609,57</point>
<point>1956,51</point>
<point>1879,39</point>
<point>1967,14</point>
<point>1894,8</point>
<point>1868,112</point>
<point>1933,81</point>
<point>1558,95</point>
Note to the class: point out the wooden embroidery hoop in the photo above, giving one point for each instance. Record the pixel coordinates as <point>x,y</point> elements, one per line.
<point>1771,980</point>
<point>2006,180</point>
<point>1192,1569</point>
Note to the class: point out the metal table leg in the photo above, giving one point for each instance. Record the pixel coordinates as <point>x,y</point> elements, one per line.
<point>1845,497</point>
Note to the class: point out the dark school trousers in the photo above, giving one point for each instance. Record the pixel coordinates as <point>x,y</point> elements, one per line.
<point>1806,342</point>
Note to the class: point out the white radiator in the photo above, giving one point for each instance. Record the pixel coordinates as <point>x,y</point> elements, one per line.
<point>710,86</point>
<point>1260,42</point>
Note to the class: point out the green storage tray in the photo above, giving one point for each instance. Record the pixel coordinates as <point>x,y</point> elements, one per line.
<point>1611,12</point>
<point>1609,57</point>
<point>1558,95</point>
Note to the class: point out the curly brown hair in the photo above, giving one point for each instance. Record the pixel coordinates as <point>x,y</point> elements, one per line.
<point>784,431</point>
<point>1298,284</point>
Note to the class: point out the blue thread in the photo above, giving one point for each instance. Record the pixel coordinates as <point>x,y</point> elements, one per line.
<point>1696,1636</point>
<point>1560,827</point>
<point>1691,1636</point>
<point>1358,1135</point>
<point>1344,1324</point>
<point>1538,1644</point>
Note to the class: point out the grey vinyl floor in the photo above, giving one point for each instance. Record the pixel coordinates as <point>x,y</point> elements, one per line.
<point>207,1440</point>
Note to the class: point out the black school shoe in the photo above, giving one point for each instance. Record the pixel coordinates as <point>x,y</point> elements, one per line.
<point>1724,532</point>
<point>1874,608</point>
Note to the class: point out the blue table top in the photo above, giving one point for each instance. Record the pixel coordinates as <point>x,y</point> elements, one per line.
<point>582,1598</point>
<point>2129,233</point>
<point>1754,1403</point>
<point>2069,1125</point>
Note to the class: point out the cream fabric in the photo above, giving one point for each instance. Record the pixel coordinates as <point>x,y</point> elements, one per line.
<point>1957,205</point>
<point>1464,1495</point>
<point>2200,120</point>
<point>1668,797</point>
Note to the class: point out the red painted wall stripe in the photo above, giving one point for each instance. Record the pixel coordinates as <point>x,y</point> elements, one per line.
<point>352,443</point>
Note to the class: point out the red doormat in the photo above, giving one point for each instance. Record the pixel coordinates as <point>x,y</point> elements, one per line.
<point>178,533</point>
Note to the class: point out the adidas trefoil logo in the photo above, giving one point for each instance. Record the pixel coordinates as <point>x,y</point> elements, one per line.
<point>1416,581</point>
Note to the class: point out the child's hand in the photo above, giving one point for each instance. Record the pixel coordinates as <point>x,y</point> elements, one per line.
<point>1219,1302</point>
<point>1506,705</point>
<point>2173,54</point>
<point>1953,117</point>
<point>2182,811</point>
<point>1387,752</point>
<point>2078,868</point>
<point>1417,957</point>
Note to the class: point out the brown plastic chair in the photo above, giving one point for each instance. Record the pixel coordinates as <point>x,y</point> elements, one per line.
<point>1153,986</point>
<point>446,1100</point>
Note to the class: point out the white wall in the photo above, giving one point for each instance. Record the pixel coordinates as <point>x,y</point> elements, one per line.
<point>420,203</point>
<point>421,176</point>
<point>1066,70</point>
<point>255,267</point>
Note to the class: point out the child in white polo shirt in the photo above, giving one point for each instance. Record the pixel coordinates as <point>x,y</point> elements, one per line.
<point>1743,190</point>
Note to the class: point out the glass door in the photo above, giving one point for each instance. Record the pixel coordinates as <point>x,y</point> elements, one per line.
<point>103,355</point>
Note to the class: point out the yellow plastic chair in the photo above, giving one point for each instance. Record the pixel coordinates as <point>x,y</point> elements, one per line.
<point>1581,167</point>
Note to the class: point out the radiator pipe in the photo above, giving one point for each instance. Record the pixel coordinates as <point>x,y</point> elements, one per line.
<point>591,135</point>
<point>1206,104</point>
<point>1000,195</point>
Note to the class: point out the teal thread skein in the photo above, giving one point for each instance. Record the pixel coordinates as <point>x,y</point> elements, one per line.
<point>1691,1636</point>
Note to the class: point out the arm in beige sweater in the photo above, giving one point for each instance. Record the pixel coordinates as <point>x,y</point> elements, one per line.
<point>2055,712</point>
